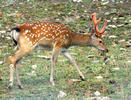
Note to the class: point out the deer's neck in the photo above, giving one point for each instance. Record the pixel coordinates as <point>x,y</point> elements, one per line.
<point>81,39</point>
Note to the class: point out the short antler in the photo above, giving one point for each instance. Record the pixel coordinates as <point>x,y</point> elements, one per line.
<point>99,32</point>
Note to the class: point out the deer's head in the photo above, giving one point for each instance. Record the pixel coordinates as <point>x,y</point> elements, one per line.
<point>95,39</point>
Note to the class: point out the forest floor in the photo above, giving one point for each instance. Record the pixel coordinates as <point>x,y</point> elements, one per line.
<point>110,79</point>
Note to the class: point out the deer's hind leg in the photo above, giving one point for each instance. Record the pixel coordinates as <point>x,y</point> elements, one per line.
<point>13,59</point>
<point>22,50</point>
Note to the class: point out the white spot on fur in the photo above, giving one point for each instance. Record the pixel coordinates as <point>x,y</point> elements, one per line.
<point>30,43</point>
<point>53,37</point>
<point>38,35</point>
<point>27,31</point>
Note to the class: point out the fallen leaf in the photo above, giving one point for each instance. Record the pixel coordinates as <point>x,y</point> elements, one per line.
<point>45,57</point>
<point>98,98</point>
<point>97,93</point>
<point>129,21</point>
<point>73,81</point>
<point>120,25</point>
<point>108,21</point>
<point>96,61</point>
<point>91,56</point>
<point>128,45</point>
<point>77,1</point>
<point>115,19</point>
<point>33,73</point>
<point>122,41</point>
<point>8,38</point>
<point>61,94</point>
<point>47,53</point>
<point>2,31</point>
<point>1,62</point>
<point>69,19</point>
<point>99,77</point>
<point>128,62</point>
<point>114,45</point>
<point>88,93</point>
<point>105,3</point>
<point>116,68</point>
<point>107,13</point>
<point>122,49</point>
<point>121,18</point>
<point>1,14</point>
<point>34,66</point>
<point>112,26</point>
<point>113,36</point>
<point>77,17</point>
<point>18,15</point>
<point>56,3</point>
<point>71,67</point>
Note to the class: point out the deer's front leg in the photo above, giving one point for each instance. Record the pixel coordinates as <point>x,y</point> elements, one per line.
<point>68,55</point>
<point>55,54</point>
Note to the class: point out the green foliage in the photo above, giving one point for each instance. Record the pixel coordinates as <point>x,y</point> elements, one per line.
<point>114,83</point>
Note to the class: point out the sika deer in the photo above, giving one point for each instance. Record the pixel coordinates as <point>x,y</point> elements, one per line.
<point>56,36</point>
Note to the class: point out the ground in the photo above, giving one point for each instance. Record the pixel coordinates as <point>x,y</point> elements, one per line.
<point>110,78</point>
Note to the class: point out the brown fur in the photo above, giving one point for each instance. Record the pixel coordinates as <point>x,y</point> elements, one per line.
<point>54,35</point>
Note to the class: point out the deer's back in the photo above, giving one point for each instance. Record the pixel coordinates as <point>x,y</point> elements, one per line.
<point>46,33</point>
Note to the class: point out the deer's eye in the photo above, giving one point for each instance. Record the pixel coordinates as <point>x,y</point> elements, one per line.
<point>100,41</point>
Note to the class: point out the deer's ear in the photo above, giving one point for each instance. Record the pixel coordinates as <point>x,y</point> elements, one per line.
<point>90,29</point>
<point>92,32</point>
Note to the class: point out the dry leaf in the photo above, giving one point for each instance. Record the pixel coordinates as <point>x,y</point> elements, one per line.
<point>73,81</point>
<point>18,15</point>
<point>116,68</point>
<point>70,67</point>
<point>88,93</point>
<point>97,93</point>
<point>1,62</point>
<point>122,41</point>
<point>61,94</point>
<point>34,67</point>
<point>0,14</point>
<point>99,77</point>
<point>47,53</point>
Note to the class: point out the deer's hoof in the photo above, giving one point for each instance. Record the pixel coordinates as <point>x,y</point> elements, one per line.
<point>20,86</point>
<point>10,87</point>
<point>82,78</point>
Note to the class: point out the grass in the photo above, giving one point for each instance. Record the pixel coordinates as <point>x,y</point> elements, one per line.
<point>115,83</point>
